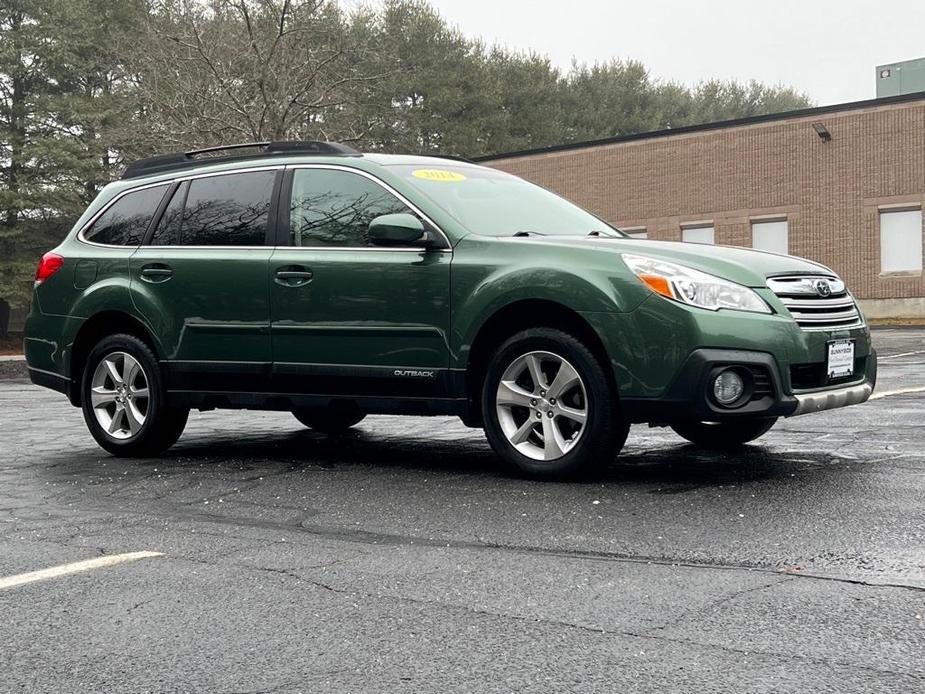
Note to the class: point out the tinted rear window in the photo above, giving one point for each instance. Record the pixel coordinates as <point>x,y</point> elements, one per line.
<point>227,210</point>
<point>168,229</point>
<point>127,219</point>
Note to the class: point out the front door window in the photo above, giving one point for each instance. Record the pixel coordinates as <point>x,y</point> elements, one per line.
<point>334,208</point>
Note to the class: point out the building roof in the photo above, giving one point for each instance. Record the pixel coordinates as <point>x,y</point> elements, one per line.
<point>717,125</point>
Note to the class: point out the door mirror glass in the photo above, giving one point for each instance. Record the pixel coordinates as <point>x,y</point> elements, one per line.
<point>400,229</point>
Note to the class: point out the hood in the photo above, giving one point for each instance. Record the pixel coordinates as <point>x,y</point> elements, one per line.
<point>742,265</point>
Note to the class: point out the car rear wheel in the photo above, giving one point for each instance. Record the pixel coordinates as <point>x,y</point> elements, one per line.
<point>329,420</point>
<point>124,400</point>
<point>720,435</point>
<point>548,406</point>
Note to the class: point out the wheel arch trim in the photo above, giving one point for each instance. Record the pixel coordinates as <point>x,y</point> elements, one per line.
<point>522,314</point>
<point>92,330</point>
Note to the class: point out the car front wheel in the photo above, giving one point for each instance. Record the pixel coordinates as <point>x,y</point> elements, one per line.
<point>124,400</point>
<point>720,435</point>
<point>548,406</point>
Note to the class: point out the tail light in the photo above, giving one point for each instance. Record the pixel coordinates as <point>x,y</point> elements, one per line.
<point>49,265</point>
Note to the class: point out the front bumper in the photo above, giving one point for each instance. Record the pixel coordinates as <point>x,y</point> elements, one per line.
<point>688,397</point>
<point>830,399</point>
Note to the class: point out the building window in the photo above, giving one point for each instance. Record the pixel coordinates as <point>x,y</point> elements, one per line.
<point>901,240</point>
<point>770,235</point>
<point>697,234</point>
<point>635,232</point>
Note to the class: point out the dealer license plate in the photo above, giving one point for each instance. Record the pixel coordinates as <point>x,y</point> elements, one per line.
<point>840,362</point>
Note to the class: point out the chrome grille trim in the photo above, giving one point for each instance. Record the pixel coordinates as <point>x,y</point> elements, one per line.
<point>840,302</point>
<point>803,285</point>
<point>813,309</point>
<point>845,316</point>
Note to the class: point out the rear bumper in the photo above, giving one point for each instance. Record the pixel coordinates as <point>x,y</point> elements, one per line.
<point>48,379</point>
<point>47,346</point>
<point>689,395</point>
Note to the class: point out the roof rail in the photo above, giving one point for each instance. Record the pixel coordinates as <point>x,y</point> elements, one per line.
<point>183,160</point>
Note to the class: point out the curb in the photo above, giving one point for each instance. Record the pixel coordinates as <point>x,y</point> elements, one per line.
<point>908,325</point>
<point>13,367</point>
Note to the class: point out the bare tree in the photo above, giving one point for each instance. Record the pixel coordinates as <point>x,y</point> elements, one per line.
<point>232,70</point>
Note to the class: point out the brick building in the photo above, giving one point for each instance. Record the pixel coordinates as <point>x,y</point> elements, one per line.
<point>843,185</point>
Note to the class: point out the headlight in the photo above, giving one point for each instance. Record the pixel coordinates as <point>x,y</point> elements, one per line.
<point>693,287</point>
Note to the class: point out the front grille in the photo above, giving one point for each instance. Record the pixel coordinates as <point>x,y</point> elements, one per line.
<point>817,302</point>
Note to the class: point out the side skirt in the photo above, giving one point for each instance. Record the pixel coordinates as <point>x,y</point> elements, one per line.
<point>282,386</point>
<point>210,400</point>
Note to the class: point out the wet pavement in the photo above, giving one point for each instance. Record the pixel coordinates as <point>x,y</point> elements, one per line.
<point>402,558</point>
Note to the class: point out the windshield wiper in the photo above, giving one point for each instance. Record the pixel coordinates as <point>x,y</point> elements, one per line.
<point>595,233</point>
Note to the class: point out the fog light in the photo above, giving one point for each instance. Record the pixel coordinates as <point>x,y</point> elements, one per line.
<point>728,387</point>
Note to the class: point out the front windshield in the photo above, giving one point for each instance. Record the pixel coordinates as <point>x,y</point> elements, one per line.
<point>490,202</point>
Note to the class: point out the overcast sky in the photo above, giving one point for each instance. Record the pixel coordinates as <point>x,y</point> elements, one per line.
<point>826,48</point>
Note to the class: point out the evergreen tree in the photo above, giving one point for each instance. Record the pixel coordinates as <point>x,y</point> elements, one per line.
<point>24,90</point>
<point>62,94</point>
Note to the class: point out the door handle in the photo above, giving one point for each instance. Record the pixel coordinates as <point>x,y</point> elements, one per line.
<point>156,272</point>
<point>293,276</point>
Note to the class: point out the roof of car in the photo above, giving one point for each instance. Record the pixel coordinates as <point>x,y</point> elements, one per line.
<point>255,152</point>
<point>417,160</point>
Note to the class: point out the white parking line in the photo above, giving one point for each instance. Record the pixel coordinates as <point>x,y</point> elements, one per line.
<point>76,567</point>
<point>903,354</point>
<point>901,391</point>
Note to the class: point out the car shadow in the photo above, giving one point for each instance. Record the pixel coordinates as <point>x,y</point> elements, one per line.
<point>673,467</point>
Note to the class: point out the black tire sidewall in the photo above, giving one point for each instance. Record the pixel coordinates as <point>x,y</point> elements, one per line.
<point>157,413</point>
<point>603,434</point>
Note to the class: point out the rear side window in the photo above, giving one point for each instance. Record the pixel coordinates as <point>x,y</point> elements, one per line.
<point>229,210</point>
<point>127,219</point>
<point>168,229</point>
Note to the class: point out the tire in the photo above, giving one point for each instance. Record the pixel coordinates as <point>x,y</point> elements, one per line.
<point>138,426</point>
<point>527,424</point>
<point>723,435</point>
<point>329,420</point>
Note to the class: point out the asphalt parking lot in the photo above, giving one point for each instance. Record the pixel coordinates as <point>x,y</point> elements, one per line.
<point>401,558</point>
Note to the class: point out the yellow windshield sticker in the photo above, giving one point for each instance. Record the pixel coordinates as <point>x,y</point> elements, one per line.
<point>438,175</point>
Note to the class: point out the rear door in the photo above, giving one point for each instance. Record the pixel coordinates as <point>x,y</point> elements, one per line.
<point>201,280</point>
<point>347,317</point>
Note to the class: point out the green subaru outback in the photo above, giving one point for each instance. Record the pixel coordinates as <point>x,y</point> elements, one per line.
<point>307,277</point>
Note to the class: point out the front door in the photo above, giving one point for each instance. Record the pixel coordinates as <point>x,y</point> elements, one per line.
<point>201,281</point>
<point>349,318</point>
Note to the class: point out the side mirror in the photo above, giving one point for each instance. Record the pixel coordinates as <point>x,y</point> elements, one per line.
<point>401,229</point>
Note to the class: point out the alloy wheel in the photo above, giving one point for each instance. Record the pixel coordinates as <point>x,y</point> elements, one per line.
<point>542,405</point>
<point>119,395</point>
